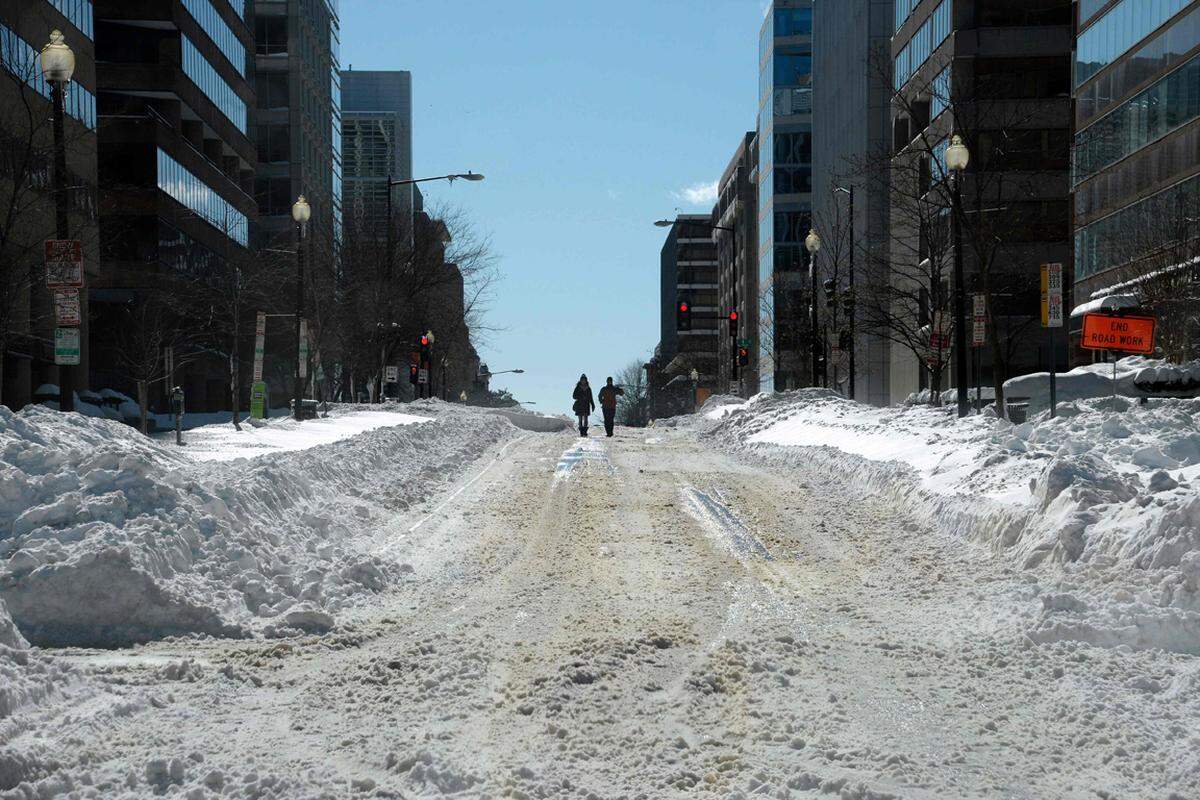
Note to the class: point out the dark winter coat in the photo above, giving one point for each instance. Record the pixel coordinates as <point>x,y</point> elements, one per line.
<point>584,402</point>
<point>608,397</point>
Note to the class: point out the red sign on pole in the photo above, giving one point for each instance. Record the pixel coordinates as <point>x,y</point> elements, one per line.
<point>1126,334</point>
<point>67,313</point>
<point>64,263</point>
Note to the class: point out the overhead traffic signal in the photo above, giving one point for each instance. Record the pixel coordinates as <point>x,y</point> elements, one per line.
<point>683,316</point>
<point>830,291</point>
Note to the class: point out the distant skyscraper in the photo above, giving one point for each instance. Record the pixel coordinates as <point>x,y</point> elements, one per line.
<point>784,190</point>
<point>851,122</point>
<point>297,46</point>
<point>376,143</point>
<point>737,254</point>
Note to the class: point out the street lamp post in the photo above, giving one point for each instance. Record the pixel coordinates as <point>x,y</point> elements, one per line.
<point>301,213</point>
<point>853,310</point>
<point>391,184</point>
<point>58,65</point>
<point>812,243</point>
<point>429,365</point>
<point>957,158</point>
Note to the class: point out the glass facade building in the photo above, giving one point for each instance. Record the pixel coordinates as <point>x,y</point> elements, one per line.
<point>1136,155</point>
<point>784,190</point>
<point>177,181</point>
<point>214,87</point>
<point>376,142</point>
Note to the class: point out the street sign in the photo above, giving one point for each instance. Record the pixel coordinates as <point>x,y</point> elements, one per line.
<point>64,263</point>
<point>391,375</point>
<point>303,348</point>
<point>258,400</point>
<point>260,345</point>
<point>66,346</point>
<point>1052,296</point>
<point>979,320</point>
<point>745,342</point>
<point>1125,334</point>
<point>67,313</point>
<point>423,376</point>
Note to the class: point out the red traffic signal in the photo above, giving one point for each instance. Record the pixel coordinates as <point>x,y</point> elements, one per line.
<point>683,308</point>
<point>733,316</point>
<point>424,341</point>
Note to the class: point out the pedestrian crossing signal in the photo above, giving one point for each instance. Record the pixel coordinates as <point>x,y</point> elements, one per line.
<point>743,356</point>
<point>413,371</point>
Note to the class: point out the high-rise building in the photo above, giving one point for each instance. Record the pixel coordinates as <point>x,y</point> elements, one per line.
<point>376,144</point>
<point>26,322</point>
<point>297,45</point>
<point>689,316</point>
<point>1136,165</point>
<point>784,191</point>
<point>175,105</point>
<point>735,218</point>
<point>851,125</point>
<point>999,75</point>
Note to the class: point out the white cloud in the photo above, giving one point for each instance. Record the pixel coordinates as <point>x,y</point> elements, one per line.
<point>697,194</point>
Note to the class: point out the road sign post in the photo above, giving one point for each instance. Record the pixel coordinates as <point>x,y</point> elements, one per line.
<point>1052,317</point>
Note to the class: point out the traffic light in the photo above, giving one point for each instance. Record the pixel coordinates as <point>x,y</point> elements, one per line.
<point>423,341</point>
<point>848,303</point>
<point>743,356</point>
<point>413,371</point>
<point>683,316</point>
<point>733,324</point>
<point>830,291</point>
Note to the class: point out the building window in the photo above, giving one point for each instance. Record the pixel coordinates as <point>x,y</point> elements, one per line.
<point>903,9</point>
<point>939,94</point>
<point>274,144</point>
<point>1135,230</point>
<point>19,58</point>
<point>793,22</point>
<point>223,37</point>
<point>212,85</point>
<point>925,41</point>
<point>1143,119</point>
<point>1120,28</point>
<point>79,12</point>
<point>198,196</point>
<point>270,35</point>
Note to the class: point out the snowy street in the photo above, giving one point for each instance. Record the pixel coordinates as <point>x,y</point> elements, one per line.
<point>647,616</point>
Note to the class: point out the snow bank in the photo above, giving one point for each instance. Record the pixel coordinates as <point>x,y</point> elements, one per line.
<point>109,538</point>
<point>1108,492</point>
<point>1135,377</point>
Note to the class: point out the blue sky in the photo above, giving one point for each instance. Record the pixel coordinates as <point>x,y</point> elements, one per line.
<point>590,120</point>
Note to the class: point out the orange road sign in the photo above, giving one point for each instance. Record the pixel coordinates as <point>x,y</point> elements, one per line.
<point>1127,334</point>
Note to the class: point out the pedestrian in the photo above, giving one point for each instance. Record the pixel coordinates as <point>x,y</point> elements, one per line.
<point>608,404</point>
<point>585,404</point>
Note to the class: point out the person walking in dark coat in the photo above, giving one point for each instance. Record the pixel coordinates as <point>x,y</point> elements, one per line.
<point>585,404</point>
<point>608,404</point>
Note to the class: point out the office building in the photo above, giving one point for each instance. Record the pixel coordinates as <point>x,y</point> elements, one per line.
<point>299,122</point>
<point>175,106</point>
<point>851,128</point>
<point>376,145</point>
<point>689,337</point>
<point>735,221</point>
<point>997,73</point>
<point>26,324</point>
<point>784,191</point>
<point>1136,170</point>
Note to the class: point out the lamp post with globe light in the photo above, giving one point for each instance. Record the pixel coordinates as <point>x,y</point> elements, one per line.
<point>812,243</point>
<point>957,158</point>
<point>58,65</point>
<point>301,213</point>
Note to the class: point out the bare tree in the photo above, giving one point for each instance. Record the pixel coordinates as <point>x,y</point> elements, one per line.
<point>632,407</point>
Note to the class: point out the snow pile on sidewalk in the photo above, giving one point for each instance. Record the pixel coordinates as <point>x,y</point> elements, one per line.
<point>1109,490</point>
<point>1136,376</point>
<point>26,677</point>
<point>107,537</point>
<point>259,437</point>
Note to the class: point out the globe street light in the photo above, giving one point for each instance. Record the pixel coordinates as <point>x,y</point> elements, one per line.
<point>957,159</point>
<point>301,214</point>
<point>812,243</point>
<point>58,65</point>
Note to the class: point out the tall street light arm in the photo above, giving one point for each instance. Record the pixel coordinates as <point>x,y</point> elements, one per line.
<point>466,176</point>
<point>668,223</point>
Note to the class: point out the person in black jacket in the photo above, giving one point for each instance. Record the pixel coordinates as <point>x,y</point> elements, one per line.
<point>585,404</point>
<point>608,404</point>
